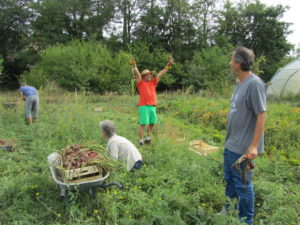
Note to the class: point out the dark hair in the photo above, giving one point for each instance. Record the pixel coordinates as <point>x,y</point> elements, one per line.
<point>244,56</point>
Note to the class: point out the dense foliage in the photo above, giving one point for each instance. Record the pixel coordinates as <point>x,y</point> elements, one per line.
<point>189,30</point>
<point>175,185</point>
<point>82,66</point>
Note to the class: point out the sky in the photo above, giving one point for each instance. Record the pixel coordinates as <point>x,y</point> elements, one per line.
<point>292,16</point>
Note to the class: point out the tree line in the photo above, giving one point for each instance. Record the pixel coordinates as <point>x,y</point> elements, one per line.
<point>200,35</point>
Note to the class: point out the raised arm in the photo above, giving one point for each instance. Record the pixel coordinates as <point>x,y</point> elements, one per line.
<point>164,70</point>
<point>135,71</point>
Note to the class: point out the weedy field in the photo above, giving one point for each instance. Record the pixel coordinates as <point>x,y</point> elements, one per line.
<point>175,186</point>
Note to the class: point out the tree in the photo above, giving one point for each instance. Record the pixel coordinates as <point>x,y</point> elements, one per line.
<point>1,66</point>
<point>209,69</point>
<point>168,24</point>
<point>51,23</point>
<point>128,13</point>
<point>102,12</point>
<point>258,27</point>
<point>14,28</point>
<point>151,26</point>
<point>203,12</point>
<point>89,17</point>
<point>59,21</point>
<point>179,31</point>
<point>82,65</point>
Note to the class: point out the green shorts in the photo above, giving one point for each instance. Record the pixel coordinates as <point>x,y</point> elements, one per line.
<point>147,114</point>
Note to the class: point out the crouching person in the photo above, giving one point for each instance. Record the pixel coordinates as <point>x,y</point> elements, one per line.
<point>119,148</point>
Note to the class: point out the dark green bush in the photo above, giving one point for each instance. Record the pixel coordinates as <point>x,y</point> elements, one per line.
<point>83,66</point>
<point>209,69</point>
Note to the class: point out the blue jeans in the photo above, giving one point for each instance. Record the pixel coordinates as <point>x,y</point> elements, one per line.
<point>239,185</point>
<point>138,165</point>
<point>32,104</point>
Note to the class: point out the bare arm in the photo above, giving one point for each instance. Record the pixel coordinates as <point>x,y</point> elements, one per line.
<point>22,96</point>
<point>113,151</point>
<point>258,132</point>
<point>163,71</point>
<point>135,72</point>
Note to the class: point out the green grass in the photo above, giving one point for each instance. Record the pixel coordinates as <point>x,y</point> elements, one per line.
<point>176,186</point>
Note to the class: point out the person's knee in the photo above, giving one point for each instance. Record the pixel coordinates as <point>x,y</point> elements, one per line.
<point>245,191</point>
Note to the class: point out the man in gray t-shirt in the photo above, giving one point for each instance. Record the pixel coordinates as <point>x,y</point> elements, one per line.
<point>245,127</point>
<point>248,100</point>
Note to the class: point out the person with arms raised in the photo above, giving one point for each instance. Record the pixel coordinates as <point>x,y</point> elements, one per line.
<point>147,102</point>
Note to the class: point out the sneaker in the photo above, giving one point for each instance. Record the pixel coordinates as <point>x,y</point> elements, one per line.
<point>141,142</point>
<point>147,140</point>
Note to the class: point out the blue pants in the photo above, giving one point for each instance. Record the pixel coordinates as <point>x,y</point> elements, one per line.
<point>138,165</point>
<point>239,185</point>
<point>32,104</point>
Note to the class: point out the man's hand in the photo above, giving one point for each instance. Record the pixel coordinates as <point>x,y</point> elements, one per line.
<point>169,63</point>
<point>251,153</point>
<point>135,72</point>
<point>132,62</point>
<point>170,60</point>
<point>22,96</point>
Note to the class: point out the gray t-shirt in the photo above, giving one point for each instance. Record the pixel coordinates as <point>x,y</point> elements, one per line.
<point>248,99</point>
<point>120,148</point>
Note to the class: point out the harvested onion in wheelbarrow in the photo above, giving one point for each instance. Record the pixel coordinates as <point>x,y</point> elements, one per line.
<point>79,162</point>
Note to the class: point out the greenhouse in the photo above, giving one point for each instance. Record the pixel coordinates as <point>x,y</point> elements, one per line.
<point>286,81</point>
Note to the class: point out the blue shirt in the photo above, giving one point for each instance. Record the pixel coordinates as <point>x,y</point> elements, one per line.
<point>28,90</point>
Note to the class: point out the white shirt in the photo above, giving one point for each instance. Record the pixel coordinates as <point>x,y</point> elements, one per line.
<point>119,148</point>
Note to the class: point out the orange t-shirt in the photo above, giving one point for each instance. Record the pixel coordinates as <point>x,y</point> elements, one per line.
<point>147,92</point>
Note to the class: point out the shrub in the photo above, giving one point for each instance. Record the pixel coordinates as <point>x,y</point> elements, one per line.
<point>82,66</point>
<point>209,69</point>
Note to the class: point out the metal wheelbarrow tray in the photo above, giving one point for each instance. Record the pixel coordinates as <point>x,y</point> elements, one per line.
<point>8,144</point>
<point>89,184</point>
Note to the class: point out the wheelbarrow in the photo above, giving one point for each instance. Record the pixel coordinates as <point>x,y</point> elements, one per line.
<point>7,145</point>
<point>90,186</point>
<point>8,148</point>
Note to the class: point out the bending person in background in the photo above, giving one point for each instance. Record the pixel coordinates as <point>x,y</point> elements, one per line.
<point>245,132</point>
<point>30,96</point>
<point>119,148</point>
<point>147,101</point>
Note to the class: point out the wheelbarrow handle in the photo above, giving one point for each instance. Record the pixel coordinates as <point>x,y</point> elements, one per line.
<point>111,184</point>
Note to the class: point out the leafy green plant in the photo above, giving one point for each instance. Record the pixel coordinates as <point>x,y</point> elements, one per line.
<point>209,69</point>
<point>174,186</point>
<point>82,66</point>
